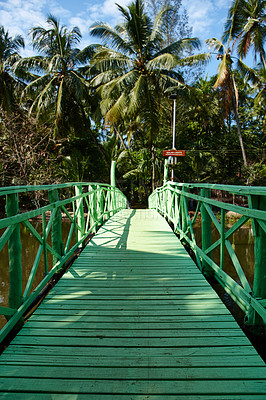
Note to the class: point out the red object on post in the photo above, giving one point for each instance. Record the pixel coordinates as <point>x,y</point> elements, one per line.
<point>174,153</point>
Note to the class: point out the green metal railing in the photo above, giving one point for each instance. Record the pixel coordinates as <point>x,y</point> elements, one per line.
<point>88,205</point>
<point>172,201</point>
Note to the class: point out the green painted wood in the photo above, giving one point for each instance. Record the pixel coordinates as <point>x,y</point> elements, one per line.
<point>134,387</point>
<point>206,231</point>
<point>152,373</point>
<point>259,285</point>
<point>14,254</point>
<point>131,320</point>
<point>85,331</point>
<point>126,361</point>
<point>56,227</point>
<point>80,213</point>
<point>74,396</point>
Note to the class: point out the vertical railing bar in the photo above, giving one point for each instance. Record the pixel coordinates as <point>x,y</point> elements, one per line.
<point>80,213</point>
<point>14,253</point>
<point>33,273</point>
<point>44,244</point>
<point>75,222</point>
<point>222,245</point>
<point>69,236</point>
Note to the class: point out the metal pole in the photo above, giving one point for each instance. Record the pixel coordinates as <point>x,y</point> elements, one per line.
<point>174,118</point>
<point>112,179</point>
<point>165,175</point>
<point>113,173</point>
<point>174,121</point>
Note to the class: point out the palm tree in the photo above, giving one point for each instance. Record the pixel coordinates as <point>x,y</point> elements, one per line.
<point>9,48</point>
<point>226,81</point>
<point>246,25</point>
<point>57,89</point>
<point>133,73</point>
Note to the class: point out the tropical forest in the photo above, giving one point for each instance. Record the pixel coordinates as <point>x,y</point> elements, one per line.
<point>66,112</point>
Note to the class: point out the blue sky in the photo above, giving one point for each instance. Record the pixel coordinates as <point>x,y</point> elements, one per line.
<point>17,16</point>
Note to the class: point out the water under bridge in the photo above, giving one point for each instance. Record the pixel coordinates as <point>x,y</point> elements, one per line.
<point>133,317</point>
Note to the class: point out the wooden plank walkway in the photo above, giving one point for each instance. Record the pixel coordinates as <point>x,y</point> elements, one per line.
<point>133,319</point>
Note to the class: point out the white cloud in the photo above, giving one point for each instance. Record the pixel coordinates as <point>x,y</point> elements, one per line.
<point>18,16</point>
<point>207,17</point>
<point>83,24</point>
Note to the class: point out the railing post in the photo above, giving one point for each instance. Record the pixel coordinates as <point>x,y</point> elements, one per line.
<point>80,213</point>
<point>57,243</point>
<point>100,208</point>
<point>206,231</point>
<point>45,261</point>
<point>259,283</point>
<point>94,208</point>
<point>14,254</point>
<point>222,246</point>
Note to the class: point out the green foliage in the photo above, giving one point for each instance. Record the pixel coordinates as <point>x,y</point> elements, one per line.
<point>9,84</point>
<point>56,90</point>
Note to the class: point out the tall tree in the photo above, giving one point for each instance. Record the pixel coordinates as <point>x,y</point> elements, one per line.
<point>226,81</point>
<point>9,54</point>
<point>133,73</point>
<point>58,90</point>
<point>246,24</point>
<point>175,20</point>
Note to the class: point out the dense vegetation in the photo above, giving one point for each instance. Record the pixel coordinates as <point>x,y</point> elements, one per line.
<point>67,112</point>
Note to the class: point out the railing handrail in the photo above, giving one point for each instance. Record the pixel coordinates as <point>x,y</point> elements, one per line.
<point>31,188</point>
<point>234,189</point>
<point>171,200</point>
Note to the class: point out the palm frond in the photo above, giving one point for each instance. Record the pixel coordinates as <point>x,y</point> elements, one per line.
<point>110,36</point>
<point>177,47</point>
<point>216,44</point>
<point>223,72</point>
<point>162,61</point>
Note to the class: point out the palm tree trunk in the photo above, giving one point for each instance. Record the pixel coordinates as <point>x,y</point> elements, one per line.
<point>132,161</point>
<point>153,169</point>
<point>235,109</point>
<point>100,148</point>
<point>263,60</point>
<point>240,138</point>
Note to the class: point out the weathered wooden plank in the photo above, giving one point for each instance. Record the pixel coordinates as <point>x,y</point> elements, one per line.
<point>80,396</point>
<point>132,342</point>
<point>85,351</point>
<point>162,300</point>
<point>64,331</point>
<point>111,316</point>
<point>132,361</point>
<point>112,291</point>
<point>62,309</point>
<point>174,373</point>
<point>199,326</point>
<point>136,387</point>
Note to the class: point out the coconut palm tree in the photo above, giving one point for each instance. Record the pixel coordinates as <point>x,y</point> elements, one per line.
<point>9,48</point>
<point>246,24</point>
<point>133,73</point>
<point>226,81</point>
<point>57,90</point>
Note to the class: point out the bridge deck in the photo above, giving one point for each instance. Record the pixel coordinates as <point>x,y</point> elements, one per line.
<point>132,319</point>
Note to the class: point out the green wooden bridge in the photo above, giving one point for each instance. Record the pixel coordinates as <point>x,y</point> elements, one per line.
<point>133,317</point>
